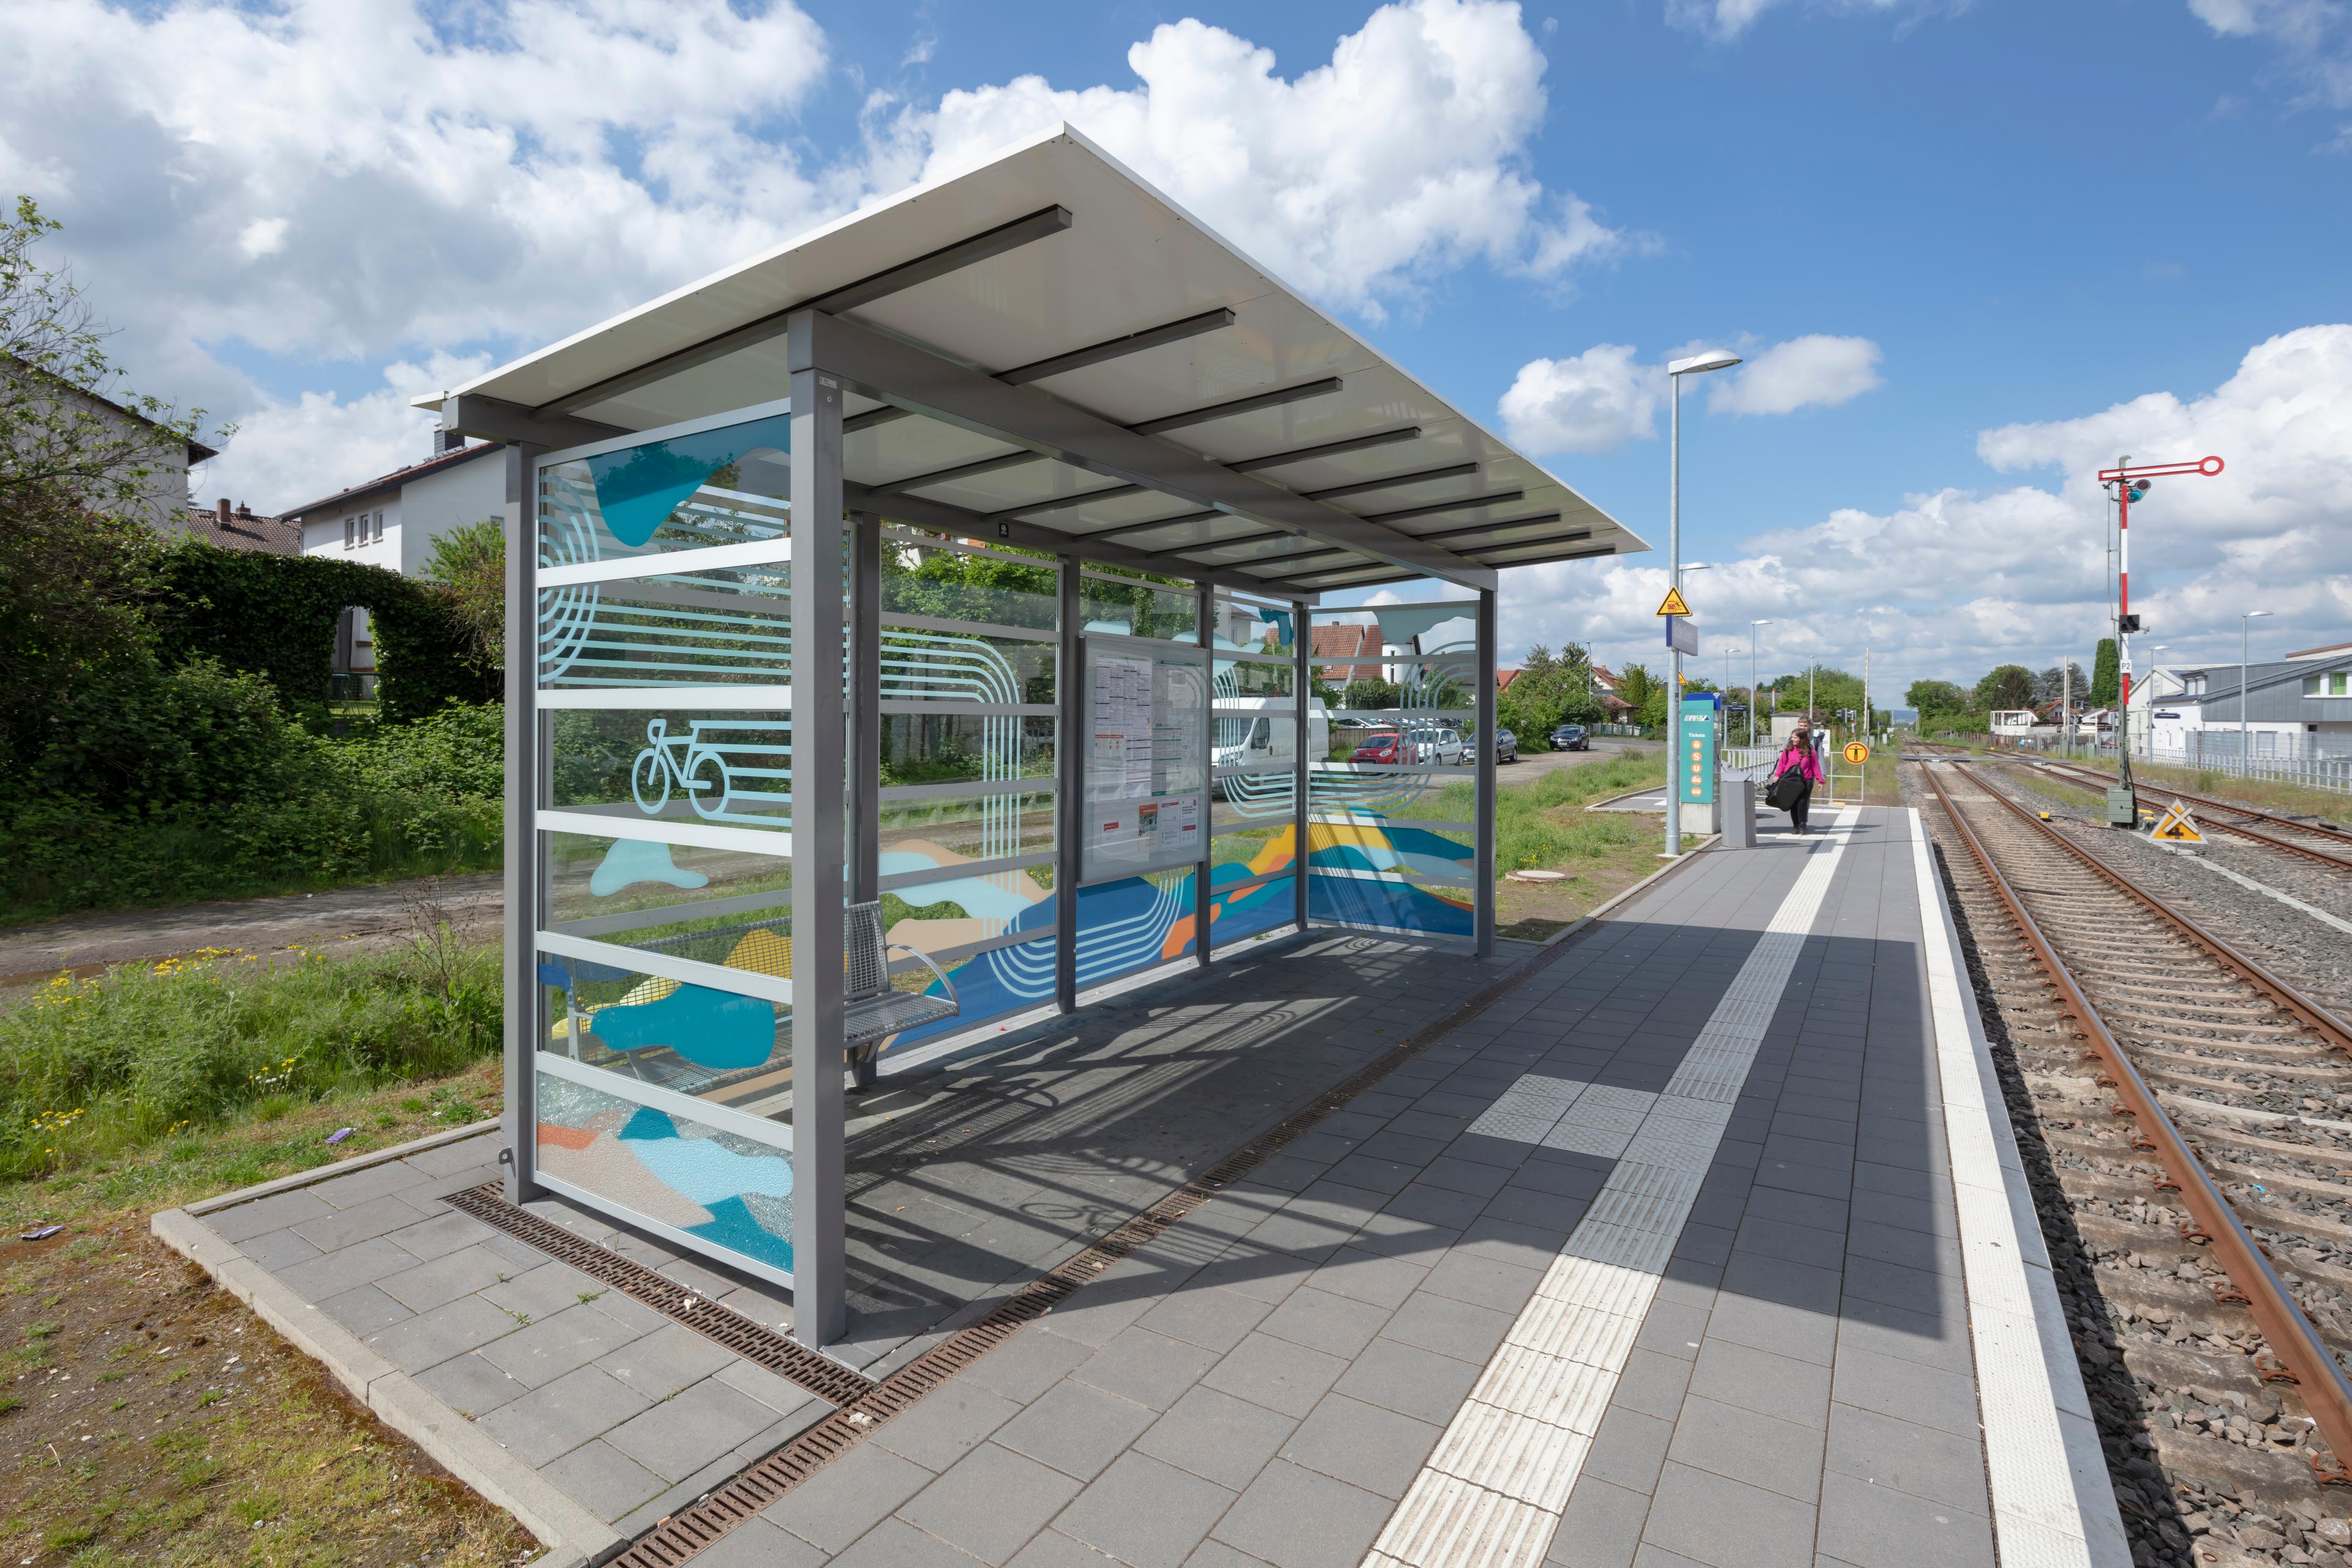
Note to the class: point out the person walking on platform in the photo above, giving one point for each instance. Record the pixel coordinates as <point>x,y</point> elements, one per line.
<point>1795,774</point>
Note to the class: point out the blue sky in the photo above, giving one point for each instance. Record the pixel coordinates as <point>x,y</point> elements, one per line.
<point>2015,218</point>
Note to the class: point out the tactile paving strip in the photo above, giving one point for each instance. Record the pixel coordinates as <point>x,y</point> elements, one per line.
<point>692,1531</point>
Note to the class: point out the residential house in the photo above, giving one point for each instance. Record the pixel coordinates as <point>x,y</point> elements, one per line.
<point>164,505</point>
<point>242,529</point>
<point>392,521</point>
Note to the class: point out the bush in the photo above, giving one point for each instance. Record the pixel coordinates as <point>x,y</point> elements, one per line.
<point>91,1068</point>
<point>192,783</point>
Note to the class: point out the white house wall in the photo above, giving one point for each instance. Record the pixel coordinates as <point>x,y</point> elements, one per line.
<point>452,497</point>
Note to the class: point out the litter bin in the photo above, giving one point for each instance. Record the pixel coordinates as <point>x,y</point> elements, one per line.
<point>1738,807</point>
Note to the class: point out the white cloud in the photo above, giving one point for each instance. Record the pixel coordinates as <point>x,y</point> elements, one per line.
<point>1726,20</point>
<point>1596,401</point>
<point>1811,372</point>
<point>1405,155</point>
<point>1603,397</point>
<point>288,453</point>
<point>2312,36</point>
<point>377,179</point>
<point>1953,582</point>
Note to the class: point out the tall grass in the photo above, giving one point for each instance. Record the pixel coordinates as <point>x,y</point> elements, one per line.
<point>1543,825</point>
<point>93,1068</point>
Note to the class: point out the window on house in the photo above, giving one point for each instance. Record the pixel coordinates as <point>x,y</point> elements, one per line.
<point>2340,683</point>
<point>2193,684</point>
<point>379,527</point>
<point>350,537</point>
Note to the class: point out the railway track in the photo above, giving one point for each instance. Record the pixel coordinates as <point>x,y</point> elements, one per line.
<point>2179,1106</point>
<point>2312,842</point>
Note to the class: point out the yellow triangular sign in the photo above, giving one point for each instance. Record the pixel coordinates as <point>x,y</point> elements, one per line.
<point>1674,604</point>
<point>2178,826</point>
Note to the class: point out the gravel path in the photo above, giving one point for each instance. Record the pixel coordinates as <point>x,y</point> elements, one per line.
<point>375,915</point>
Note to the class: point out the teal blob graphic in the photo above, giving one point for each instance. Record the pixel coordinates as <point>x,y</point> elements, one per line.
<point>638,488</point>
<point>631,861</point>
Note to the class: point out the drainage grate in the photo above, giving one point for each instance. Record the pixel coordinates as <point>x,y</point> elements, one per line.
<point>828,1380</point>
<point>694,1530</point>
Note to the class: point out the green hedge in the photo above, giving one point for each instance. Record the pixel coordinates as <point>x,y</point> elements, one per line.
<point>274,615</point>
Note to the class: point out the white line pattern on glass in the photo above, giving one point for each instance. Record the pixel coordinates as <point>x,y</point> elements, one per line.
<point>1492,1493</point>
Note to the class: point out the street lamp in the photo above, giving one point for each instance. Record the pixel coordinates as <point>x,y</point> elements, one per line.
<point>1751,679</point>
<point>1696,364</point>
<point>2244,757</point>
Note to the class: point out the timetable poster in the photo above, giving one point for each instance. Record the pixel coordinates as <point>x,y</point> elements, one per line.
<point>1147,774</point>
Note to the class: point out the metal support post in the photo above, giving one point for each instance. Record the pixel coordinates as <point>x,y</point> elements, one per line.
<point>519,1117</point>
<point>1205,625</point>
<point>1072,731</point>
<point>1674,580</point>
<point>1302,696</point>
<point>1485,923</point>
<point>866,709</point>
<point>820,563</point>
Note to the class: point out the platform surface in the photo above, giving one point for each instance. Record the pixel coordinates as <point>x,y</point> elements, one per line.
<point>1666,1256</point>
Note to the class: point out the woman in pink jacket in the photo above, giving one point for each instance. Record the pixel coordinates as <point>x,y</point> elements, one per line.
<point>1800,758</point>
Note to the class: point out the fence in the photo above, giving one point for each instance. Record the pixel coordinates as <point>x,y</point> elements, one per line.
<point>2330,773</point>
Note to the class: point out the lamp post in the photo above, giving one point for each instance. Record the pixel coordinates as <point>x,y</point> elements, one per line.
<point>1751,681</point>
<point>2243,622</point>
<point>1697,365</point>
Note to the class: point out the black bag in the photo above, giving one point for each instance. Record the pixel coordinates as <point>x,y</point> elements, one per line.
<point>1786,790</point>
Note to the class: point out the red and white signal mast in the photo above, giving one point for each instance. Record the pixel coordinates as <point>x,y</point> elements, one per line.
<point>2132,484</point>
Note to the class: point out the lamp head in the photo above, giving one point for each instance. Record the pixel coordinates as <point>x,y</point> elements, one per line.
<point>2250,615</point>
<point>1699,364</point>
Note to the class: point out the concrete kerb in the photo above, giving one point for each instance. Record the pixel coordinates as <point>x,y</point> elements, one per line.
<point>317,1173</point>
<point>575,1538</point>
<point>572,1535</point>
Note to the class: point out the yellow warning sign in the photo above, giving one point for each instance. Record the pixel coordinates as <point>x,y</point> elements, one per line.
<point>1675,604</point>
<point>2176,826</point>
<point>1856,753</point>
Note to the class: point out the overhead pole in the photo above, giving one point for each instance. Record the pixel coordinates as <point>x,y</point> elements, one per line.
<point>1697,365</point>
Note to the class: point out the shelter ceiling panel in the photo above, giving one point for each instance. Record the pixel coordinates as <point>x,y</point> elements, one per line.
<point>1529,554</point>
<point>1199,531</point>
<point>905,448</point>
<point>1243,554</point>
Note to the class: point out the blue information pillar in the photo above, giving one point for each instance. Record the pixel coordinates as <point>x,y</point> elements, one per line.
<point>1695,763</point>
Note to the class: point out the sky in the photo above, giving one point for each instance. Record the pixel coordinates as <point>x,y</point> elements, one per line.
<point>1971,251</point>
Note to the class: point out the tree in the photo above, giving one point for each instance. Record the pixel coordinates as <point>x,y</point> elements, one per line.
<point>2005,686</point>
<point>58,435</point>
<point>1938,697</point>
<point>471,562</point>
<point>2107,675</point>
<point>2051,685</point>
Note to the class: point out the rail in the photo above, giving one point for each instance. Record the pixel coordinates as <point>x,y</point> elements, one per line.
<point>2213,806</point>
<point>2326,1393</point>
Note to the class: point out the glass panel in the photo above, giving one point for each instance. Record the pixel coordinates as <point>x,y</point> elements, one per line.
<point>1253,911</point>
<point>731,485</point>
<point>942,830</point>
<point>940,582</point>
<point>1392,841</point>
<point>1133,921</point>
<point>1140,609</point>
<point>732,1192</point>
<point>690,630</point>
<point>926,665</point>
<point>681,1035</point>
<point>988,985</point>
<point>619,889</point>
<point>964,748</point>
<point>647,764</point>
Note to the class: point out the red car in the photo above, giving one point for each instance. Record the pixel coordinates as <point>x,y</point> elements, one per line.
<point>1380,749</point>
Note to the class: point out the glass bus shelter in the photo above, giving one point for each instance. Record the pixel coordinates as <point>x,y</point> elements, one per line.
<point>929,620</point>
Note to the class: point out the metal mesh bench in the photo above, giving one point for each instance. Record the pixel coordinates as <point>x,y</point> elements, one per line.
<point>874,1009</point>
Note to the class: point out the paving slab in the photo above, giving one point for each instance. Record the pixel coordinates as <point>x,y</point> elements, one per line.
<point>1660,1254</point>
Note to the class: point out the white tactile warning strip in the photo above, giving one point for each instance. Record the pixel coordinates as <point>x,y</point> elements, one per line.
<point>2052,1502</point>
<point>1492,1493</point>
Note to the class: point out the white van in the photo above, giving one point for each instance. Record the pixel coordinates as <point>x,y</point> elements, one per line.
<point>1261,731</point>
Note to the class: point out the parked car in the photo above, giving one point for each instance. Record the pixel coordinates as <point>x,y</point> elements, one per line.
<point>1419,748</point>
<point>1570,738</point>
<point>1506,747</point>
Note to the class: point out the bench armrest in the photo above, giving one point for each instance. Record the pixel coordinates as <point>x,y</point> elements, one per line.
<point>935,969</point>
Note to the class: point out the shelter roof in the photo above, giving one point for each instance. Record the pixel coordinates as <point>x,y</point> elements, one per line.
<point>1284,452</point>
